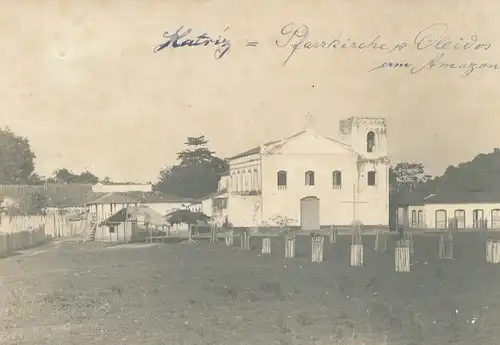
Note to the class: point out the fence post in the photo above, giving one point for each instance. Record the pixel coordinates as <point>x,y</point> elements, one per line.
<point>229,238</point>
<point>380,241</point>
<point>493,251</point>
<point>245,240</point>
<point>289,244</point>
<point>402,256</point>
<point>445,246</point>
<point>357,247</point>
<point>408,237</point>
<point>333,234</point>
<point>213,233</point>
<point>317,248</point>
<point>266,245</point>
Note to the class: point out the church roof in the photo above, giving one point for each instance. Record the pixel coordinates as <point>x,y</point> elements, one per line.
<point>256,150</point>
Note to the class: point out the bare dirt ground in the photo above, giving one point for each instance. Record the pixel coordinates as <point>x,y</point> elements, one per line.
<point>204,293</point>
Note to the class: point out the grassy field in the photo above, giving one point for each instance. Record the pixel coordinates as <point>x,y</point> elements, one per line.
<point>205,293</point>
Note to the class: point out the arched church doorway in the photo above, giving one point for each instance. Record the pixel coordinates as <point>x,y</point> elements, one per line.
<point>309,213</point>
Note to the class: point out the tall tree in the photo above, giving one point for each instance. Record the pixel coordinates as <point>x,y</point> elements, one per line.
<point>66,176</point>
<point>408,175</point>
<point>196,152</point>
<point>197,173</point>
<point>16,158</point>
<point>107,180</point>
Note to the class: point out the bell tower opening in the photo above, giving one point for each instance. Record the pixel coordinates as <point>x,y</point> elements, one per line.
<point>370,141</point>
<point>366,135</point>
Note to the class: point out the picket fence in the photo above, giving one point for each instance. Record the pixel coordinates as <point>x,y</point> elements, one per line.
<point>10,242</point>
<point>55,225</point>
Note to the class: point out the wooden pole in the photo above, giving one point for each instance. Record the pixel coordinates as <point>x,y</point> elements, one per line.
<point>354,202</point>
<point>125,224</point>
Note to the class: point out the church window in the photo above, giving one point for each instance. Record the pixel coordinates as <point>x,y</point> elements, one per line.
<point>337,179</point>
<point>372,178</point>
<point>459,216</point>
<point>309,178</point>
<point>414,218</point>
<point>477,218</point>
<point>281,175</point>
<point>421,219</point>
<point>370,141</point>
<point>441,219</point>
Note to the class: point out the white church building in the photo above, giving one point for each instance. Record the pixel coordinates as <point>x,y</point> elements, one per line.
<point>314,180</point>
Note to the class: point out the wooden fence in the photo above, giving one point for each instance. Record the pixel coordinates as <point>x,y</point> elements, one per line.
<point>55,225</point>
<point>10,242</point>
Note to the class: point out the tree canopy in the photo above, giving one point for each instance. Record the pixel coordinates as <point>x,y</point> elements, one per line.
<point>66,176</point>
<point>481,174</point>
<point>197,172</point>
<point>17,161</point>
<point>187,217</point>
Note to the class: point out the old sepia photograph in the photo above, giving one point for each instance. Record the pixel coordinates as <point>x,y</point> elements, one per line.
<point>215,172</point>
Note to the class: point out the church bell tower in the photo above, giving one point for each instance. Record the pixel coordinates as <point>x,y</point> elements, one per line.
<point>367,135</point>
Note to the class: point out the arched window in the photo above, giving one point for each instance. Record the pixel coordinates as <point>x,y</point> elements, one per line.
<point>309,178</point>
<point>421,219</point>
<point>477,219</point>
<point>370,141</point>
<point>441,219</point>
<point>495,218</point>
<point>460,219</point>
<point>281,175</point>
<point>337,179</point>
<point>372,178</point>
<point>414,218</point>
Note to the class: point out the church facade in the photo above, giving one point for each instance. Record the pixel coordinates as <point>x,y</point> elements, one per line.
<point>314,180</point>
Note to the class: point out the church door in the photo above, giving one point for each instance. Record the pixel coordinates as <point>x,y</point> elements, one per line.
<point>309,213</point>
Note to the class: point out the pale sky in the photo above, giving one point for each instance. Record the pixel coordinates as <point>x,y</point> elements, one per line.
<point>79,79</point>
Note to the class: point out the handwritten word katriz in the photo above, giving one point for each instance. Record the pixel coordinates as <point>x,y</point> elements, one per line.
<point>179,39</point>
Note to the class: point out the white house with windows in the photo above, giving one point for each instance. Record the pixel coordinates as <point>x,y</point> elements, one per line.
<point>468,210</point>
<point>314,179</point>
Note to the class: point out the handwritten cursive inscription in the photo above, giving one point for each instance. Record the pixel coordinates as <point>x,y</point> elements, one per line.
<point>180,39</point>
<point>437,63</point>
<point>296,36</point>
<point>436,36</point>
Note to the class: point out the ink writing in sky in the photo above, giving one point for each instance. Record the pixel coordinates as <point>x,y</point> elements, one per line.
<point>296,37</point>
<point>184,38</point>
<point>434,38</point>
<point>432,44</point>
